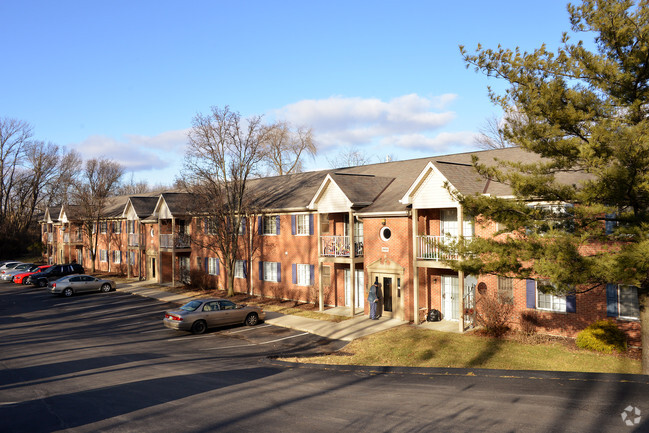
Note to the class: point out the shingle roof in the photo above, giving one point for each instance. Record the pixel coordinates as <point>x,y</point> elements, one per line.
<point>144,206</point>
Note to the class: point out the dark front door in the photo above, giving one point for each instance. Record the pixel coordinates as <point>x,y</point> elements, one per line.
<point>387,294</point>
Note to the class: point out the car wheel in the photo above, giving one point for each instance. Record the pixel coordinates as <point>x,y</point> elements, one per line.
<point>42,283</point>
<point>199,327</point>
<point>252,319</point>
<point>24,281</point>
<point>68,292</point>
<point>105,288</point>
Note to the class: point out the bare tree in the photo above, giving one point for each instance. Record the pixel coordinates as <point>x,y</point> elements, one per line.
<point>15,135</point>
<point>285,147</point>
<point>224,152</point>
<point>350,157</point>
<point>98,182</point>
<point>132,187</point>
<point>494,134</point>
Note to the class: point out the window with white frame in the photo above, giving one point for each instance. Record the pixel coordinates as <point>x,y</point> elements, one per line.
<point>270,225</point>
<point>628,302</point>
<point>130,226</point>
<point>303,275</point>
<point>213,266</point>
<point>506,289</point>
<point>270,271</point>
<point>302,225</point>
<point>210,226</point>
<point>239,269</point>
<point>103,255</point>
<point>117,227</point>
<point>131,258</point>
<point>117,256</point>
<point>103,227</point>
<point>548,301</point>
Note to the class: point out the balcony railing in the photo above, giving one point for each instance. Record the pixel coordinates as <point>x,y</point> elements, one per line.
<point>135,240</point>
<point>49,238</point>
<point>430,248</point>
<point>339,246</point>
<point>175,241</point>
<point>75,238</point>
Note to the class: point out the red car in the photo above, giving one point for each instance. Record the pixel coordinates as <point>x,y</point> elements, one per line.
<point>22,278</point>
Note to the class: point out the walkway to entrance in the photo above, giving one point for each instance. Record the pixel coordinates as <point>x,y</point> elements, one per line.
<point>442,325</point>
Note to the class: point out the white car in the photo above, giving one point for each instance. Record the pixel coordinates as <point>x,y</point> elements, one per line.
<point>8,274</point>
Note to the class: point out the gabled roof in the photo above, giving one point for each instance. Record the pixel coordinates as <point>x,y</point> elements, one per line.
<point>143,206</point>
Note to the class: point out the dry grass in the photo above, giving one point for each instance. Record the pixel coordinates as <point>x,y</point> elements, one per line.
<point>409,346</point>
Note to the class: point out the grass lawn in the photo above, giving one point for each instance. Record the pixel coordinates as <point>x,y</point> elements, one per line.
<point>408,346</point>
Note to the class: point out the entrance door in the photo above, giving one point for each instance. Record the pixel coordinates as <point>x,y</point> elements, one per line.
<point>152,268</point>
<point>359,292</point>
<point>387,294</point>
<point>184,270</point>
<point>450,298</point>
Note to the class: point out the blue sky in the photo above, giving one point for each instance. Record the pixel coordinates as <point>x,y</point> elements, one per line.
<point>124,79</point>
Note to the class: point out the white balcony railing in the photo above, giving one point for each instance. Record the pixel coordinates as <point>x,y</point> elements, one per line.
<point>75,238</point>
<point>339,246</point>
<point>49,238</point>
<point>430,248</point>
<point>175,241</point>
<point>135,240</point>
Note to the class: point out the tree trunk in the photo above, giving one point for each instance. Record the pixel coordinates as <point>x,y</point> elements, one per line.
<point>643,303</point>
<point>231,283</point>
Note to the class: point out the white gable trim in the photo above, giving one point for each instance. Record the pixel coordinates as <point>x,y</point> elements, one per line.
<point>330,198</point>
<point>428,192</point>
<point>129,211</point>
<point>162,209</point>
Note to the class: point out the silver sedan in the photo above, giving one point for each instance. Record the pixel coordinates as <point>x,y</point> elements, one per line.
<point>71,284</point>
<point>198,315</point>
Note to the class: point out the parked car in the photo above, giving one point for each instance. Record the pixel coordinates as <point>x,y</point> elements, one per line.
<point>54,272</point>
<point>22,277</point>
<point>8,274</point>
<point>9,265</point>
<point>71,284</point>
<point>200,314</point>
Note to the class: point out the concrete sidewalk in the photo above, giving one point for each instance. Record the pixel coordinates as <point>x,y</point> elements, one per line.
<point>347,330</point>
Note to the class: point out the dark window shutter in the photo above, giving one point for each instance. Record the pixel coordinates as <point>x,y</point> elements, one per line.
<point>245,269</point>
<point>293,226</point>
<point>261,271</point>
<point>294,269</point>
<point>243,225</point>
<point>279,272</point>
<point>207,265</point>
<point>311,224</point>
<point>571,303</point>
<point>610,223</point>
<point>218,266</point>
<point>312,274</point>
<point>260,226</point>
<point>611,300</point>
<point>277,224</point>
<point>530,291</point>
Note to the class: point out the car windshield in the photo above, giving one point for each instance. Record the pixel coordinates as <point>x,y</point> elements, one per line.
<point>191,306</point>
<point>23,267</point>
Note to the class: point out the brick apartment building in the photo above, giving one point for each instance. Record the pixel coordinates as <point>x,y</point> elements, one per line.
<point>325,236</point>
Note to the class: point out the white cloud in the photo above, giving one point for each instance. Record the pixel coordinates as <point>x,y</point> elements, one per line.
<point>341,121</point>
<point>445,142</point>
<point>136,152</point>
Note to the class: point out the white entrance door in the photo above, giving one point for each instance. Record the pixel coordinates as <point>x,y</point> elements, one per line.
<point>359,292</point>
<point>450,298</point>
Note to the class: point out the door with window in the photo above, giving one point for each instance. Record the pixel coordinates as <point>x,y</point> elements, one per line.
<point>450,297</point>
<point>359,292</point>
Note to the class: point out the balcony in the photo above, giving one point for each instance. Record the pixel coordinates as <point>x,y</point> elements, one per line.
<point>49,238</point>
<point>431,248</point>
<point>136,240</point>
<point>175,241</point>
<point>73,238</point>
<point>339,246</point>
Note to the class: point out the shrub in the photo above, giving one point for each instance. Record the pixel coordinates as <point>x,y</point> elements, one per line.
<point>529,322</point>
<point>602,336</point>
<point>493,312</point>
<point>198,280</point>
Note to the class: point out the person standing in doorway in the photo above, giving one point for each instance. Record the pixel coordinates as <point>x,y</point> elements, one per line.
<point>373,300</point>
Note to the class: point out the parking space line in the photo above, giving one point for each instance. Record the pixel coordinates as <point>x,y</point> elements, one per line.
<point>154,330</point>
<point>256,344</point>
<point>249,329</point>
<point>190,338</point>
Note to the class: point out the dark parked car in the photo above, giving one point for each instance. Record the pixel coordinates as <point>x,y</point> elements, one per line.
<point>55,272</point>
<point>198,315</point>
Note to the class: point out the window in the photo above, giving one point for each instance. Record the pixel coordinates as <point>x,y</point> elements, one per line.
<point>553,217</point>
<point>628,301</point>
<point>117,227</point>
<point>103,227</point>
<point>326,276</point>
<point>242,226</point>
<point>548,301</point>
<point>324,223</point>
<point>117,256</point>
<point>130,226</point>
<point>302,225</point>
<point>270,225</point>
<point>227,305</point>
<point>131,258</point>
<point>210,226</point>
<point>385,234</point>
<point>213,266</point>
<point>240,269</point>
<point>506,289</point>
<point>103,255</point>
<point>303,274</point>
<point>271,271</point>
